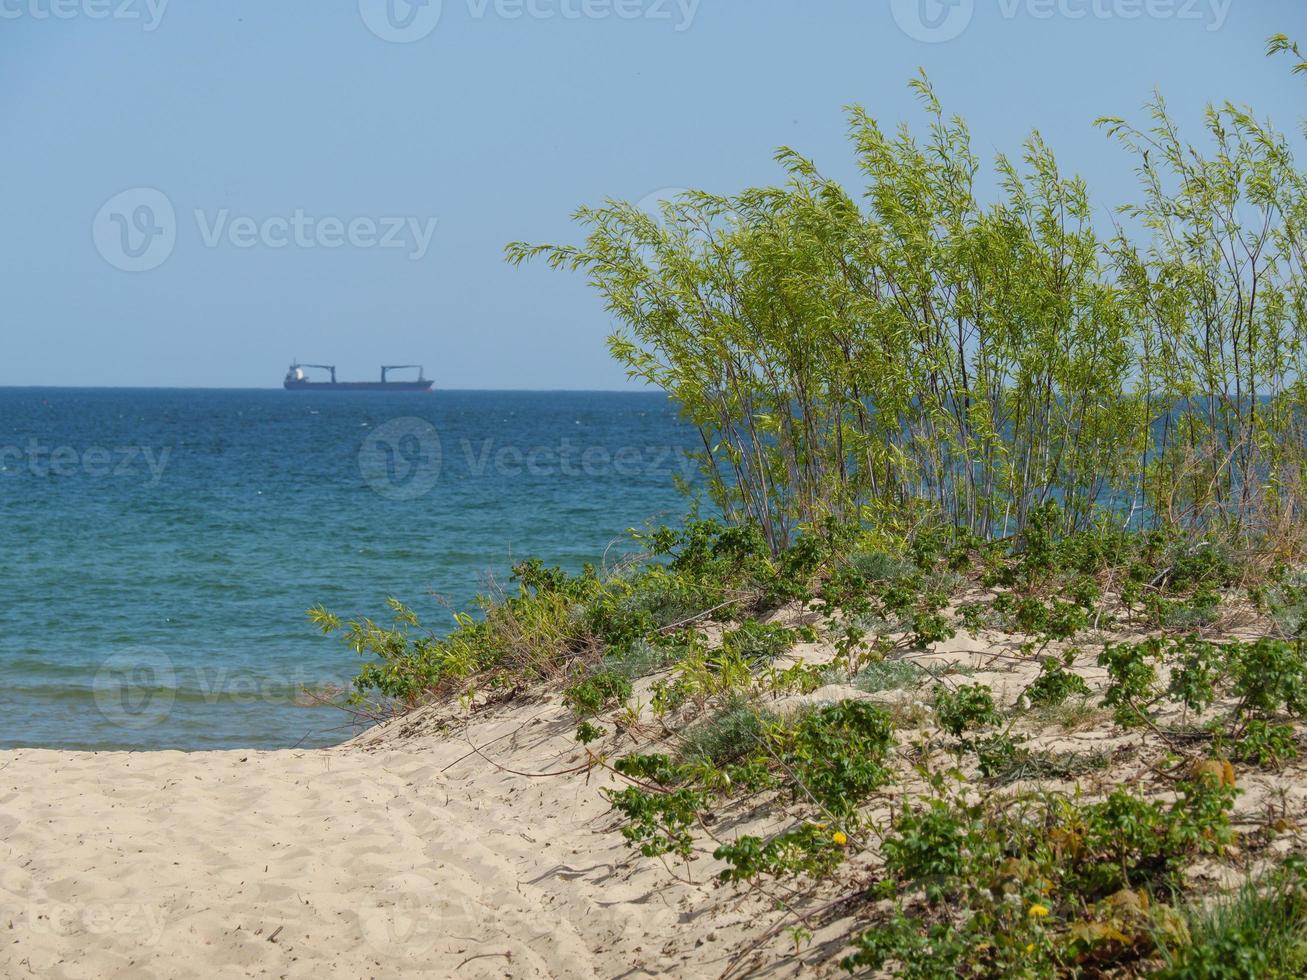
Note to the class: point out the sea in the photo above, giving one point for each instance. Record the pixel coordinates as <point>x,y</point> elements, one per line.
<point>159,548</point>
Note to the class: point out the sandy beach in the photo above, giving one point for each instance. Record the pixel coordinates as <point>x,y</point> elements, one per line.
<point>434,847</point>
<point>385,856</point>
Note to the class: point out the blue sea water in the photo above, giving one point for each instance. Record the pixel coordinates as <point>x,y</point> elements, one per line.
<point>160,547</point>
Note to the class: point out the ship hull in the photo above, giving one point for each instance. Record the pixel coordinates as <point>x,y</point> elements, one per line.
<point>357,385</point>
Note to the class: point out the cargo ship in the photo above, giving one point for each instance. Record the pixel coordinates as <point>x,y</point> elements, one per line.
<point>298,380</point>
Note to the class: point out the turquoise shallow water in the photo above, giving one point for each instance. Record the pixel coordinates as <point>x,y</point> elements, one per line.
<point>160,547</point>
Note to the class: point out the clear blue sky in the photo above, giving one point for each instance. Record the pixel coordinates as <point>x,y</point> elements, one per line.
<point>496,126</point>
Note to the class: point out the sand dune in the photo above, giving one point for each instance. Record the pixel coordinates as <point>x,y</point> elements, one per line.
<point>386,856</point>
<point>489,852</point>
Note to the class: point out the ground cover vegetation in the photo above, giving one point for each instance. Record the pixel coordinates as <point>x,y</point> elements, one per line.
<point>994,662</point>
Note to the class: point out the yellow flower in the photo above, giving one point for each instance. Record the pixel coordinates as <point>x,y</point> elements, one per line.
<point>839,838</point>
<point>1030,947</point>
<point>1038,911</point>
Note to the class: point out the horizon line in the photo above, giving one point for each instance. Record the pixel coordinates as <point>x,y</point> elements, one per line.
<point>49,387</point>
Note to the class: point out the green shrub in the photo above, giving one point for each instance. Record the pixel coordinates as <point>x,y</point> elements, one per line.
<point>733,732</point>
<point>1054,685</point>
<point>758,643</point>
<point>1270,675</point>
<point>1025,872</point>
<point>1286,600</point>
<point>591,695</point>
<point>643,657</point>
<point>919,950</point>
<point>889,675</point>
<point>939,844</point>
<point>1199,609</point>
<point>637,605</point>
<point>877,566</point>
<point>837,754</point>
<point>1132,674</point>
<point>1195,673</point>
<point>1265,744</point>
<point>930,627</point>
<point>810,849</point>
<point>1257,933</point>
<point>658,823</point>
<point>967,708</point>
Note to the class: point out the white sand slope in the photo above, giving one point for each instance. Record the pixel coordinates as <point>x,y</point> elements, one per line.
<point>389,857</point>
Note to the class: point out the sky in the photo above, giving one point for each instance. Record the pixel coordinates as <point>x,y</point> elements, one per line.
<point>194,194</point>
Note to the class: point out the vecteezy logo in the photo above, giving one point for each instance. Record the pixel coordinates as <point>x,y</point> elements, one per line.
<point>933,21</point>
<point>135,230</point>
<point>401,459</point>
<point>409,914</point>
<point>135,690</point>
<point>400,21</point>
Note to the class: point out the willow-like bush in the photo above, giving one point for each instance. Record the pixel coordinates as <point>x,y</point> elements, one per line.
<point>1218,299</point>
<point>920,354</point>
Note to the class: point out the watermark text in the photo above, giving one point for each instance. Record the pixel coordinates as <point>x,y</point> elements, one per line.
<point>40,460</point>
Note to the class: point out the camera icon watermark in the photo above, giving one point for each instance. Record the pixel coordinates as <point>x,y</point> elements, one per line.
<point>408,915</point>
<point>401,21</point>
<point>135,689</point>
<point>136,229</point>
<point>933,21</point>
<point>401,459</point>
<point>653,203</point>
